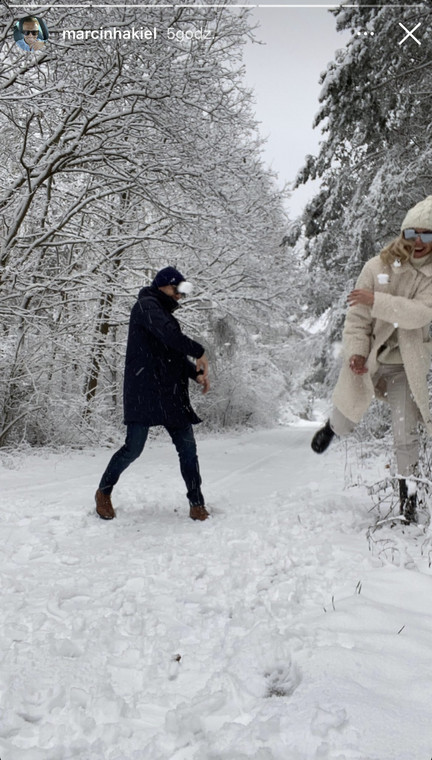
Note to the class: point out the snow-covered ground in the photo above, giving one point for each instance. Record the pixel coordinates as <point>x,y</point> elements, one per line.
<point>277,630</point>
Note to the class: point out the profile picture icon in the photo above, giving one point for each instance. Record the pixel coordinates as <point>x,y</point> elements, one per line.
<point>31,33</point>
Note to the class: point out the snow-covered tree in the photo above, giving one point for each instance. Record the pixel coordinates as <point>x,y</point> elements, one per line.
<point>119,158</point>
<point>375,158</point>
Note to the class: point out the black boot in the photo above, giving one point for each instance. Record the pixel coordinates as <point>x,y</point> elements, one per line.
<point>322,438</point>
<point>403,494</point>
<point>410,513</point>
<point>408,503</point>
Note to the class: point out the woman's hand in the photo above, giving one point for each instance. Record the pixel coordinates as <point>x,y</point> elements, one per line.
<point>357,364</point>
<point>365,297</point>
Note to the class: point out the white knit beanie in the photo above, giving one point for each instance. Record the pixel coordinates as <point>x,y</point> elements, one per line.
<point>419,216</point>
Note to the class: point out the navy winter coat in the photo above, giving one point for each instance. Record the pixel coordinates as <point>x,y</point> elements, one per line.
<point>157,369</point>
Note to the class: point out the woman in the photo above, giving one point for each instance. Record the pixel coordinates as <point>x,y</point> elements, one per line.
<point>387,348</point>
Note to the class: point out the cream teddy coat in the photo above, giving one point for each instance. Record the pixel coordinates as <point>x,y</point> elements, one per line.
<point>404,303</point>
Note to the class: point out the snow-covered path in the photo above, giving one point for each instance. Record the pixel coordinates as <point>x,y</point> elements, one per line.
<point>269,632</point>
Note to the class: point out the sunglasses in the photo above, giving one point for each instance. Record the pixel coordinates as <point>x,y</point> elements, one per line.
<point>425,237</point>
<point>26,32</point>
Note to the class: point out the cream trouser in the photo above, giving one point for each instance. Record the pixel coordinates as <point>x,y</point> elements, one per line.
<point>405,417</point>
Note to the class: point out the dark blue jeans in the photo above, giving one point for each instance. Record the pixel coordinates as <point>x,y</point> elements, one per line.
<point>136,436</point>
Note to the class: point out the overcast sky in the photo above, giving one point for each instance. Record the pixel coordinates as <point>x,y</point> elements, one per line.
<point>284,73</point>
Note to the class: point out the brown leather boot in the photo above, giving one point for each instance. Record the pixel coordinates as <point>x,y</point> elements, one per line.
<point>198,512</point>
<point>104,507</point>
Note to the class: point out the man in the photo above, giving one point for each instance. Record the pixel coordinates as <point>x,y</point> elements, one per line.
<point>33,38</point>
<point>156,392</point>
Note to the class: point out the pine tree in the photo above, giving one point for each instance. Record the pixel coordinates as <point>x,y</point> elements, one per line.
<point>375,159</point>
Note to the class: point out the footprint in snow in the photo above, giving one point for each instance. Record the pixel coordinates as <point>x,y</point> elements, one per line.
<point>324,720</point>
<point>281,680</point>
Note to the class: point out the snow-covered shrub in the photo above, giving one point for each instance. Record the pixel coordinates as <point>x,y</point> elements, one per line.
<point>247,384</point>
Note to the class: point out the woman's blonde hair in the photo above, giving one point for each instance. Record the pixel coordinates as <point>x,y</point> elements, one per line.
<point>398,249</point>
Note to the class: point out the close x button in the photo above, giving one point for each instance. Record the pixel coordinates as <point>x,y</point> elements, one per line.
<point>409,34</point>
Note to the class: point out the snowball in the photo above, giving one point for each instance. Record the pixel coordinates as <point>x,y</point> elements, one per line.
<point>336,349</point>
<point>411,486</point>
<point>185,287</point>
